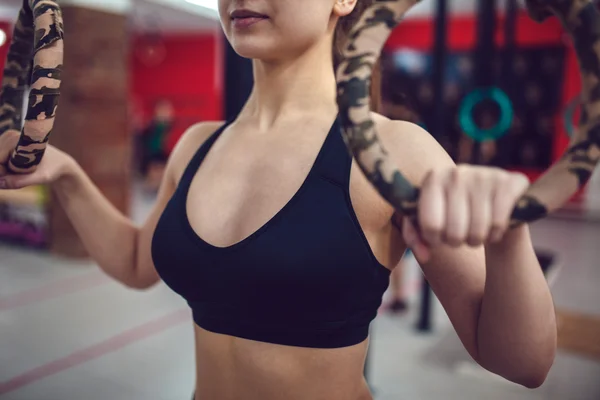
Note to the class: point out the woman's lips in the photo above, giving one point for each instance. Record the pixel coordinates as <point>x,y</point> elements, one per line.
<point>246,18</point>
<point>246,21</point>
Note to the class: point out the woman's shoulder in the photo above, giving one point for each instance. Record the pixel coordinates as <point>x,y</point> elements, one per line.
<point>413,150</point>
<point>411,147</point>
<point>188,145</point>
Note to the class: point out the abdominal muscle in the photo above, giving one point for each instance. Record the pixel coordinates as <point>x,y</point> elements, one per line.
<point>238,369</point>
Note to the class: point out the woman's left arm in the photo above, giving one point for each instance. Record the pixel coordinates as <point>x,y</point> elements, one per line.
<point>499,303</point>
<point>516,331</point>
<point>486,276</point>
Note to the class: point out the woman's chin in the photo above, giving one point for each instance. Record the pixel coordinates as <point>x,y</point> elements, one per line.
<point>251,52</point>
<point>252,47</point>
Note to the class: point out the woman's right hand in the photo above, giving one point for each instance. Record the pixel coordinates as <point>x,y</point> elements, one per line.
<point>55,165</point>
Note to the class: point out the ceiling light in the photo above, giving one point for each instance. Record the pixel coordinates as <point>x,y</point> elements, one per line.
<point>210,4</point>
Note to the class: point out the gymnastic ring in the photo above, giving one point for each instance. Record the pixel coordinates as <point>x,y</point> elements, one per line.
<point>467,122</point>
<point>37,40</point>
<point>557,184</point>
<point>570,114</point>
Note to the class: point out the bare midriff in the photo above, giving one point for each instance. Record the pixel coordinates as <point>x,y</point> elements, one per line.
<point>231,368</point>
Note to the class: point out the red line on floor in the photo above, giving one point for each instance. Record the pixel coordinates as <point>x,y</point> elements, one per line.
<point>98,350</point>
<point>52,290</point>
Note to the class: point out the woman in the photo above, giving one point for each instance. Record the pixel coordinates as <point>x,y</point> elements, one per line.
<point>153,138</point>
<point>283,249</point>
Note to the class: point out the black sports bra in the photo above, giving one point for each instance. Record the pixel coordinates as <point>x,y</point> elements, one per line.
<point>307,278</point>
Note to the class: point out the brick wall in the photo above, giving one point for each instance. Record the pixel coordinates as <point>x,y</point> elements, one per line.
<point>92,120</point>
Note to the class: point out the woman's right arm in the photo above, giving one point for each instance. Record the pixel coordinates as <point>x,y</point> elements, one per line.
<point>121,249</point>
<point>110,238</point>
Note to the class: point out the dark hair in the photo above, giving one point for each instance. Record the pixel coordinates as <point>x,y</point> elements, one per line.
<point>342,31</point>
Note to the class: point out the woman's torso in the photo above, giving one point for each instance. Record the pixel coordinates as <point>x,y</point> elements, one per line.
<point>229,368</point>
<point>245,179</point>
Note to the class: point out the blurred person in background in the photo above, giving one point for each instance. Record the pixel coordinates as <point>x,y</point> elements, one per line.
<point>153,139</point>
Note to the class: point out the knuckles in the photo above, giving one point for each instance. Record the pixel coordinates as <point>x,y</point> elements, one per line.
<point>493,185</point>
<point>520,180</point>
<point>479,178</point>
<point>476,240</point>
<point>430,229</point>
<point>454,239</point>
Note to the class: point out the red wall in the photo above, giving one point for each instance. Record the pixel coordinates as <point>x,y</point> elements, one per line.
<point>188,77</point>
<point>4,49</point>
<point>418,33</point>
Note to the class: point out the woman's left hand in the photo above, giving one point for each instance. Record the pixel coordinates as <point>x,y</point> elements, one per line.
<point>464,205</point>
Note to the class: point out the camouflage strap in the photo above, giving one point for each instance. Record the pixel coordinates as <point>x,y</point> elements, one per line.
<point>38,35</point>
<point>555,187</point>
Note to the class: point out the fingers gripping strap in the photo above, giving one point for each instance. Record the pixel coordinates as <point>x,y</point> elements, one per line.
<point>552,190</point>
<point>46,44</point>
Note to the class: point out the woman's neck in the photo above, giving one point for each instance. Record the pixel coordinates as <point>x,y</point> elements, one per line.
<point>287,88</point>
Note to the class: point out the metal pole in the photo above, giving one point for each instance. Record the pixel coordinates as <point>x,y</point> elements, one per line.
<point>437,127</point>
<point>439,68</point>
<point>485,53</point>
<point>424,323</point>
<point>507,76</point>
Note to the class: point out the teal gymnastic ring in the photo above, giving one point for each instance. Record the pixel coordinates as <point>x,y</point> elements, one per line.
<point>569,114</point>
<point>467,123</point>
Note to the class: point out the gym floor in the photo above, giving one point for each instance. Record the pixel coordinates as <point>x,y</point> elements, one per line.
<point>67,332</point>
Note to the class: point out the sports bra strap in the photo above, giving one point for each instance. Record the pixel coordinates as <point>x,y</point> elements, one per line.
<point>194,164</point>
